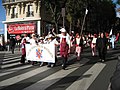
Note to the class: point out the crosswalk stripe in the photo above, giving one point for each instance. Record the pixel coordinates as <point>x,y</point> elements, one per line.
<point>86,80</point>
<point>5,59</point>
<point>10,61</point>
<point>2,74</point>
<point>10,65</point>
<point>8,71</point>
<point>21,77</point>
<point>48,81</point>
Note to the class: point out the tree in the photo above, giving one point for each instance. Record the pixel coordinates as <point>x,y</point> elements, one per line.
<point>75,10</point>
<point>118,1</point>
<point>101,15</point>
<point>54,6</point>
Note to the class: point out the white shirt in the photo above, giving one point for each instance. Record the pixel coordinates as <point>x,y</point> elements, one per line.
<point>32,41</point>
<point>27,39</point>
<point>77,41</point>
<point>94,40</point>
<point>67,38</point>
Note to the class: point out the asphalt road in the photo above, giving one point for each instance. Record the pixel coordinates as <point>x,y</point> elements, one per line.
<point>87,74</point>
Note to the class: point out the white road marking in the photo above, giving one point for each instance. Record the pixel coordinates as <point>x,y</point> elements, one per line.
<point>86,80</point>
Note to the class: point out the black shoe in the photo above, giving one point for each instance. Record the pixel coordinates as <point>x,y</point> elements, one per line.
<point>33,63</point>
<point>102,60</point>
<point>64,67</point>
<point>49,65</point>
<point>53,65</point>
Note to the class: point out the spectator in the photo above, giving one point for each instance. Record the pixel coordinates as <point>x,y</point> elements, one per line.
<point>12,44</point>
<point>101,44</point>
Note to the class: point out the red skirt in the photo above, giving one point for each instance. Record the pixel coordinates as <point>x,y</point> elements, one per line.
<point>64,49</point>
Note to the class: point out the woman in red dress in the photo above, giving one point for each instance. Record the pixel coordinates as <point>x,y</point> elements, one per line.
<point>64,46</point>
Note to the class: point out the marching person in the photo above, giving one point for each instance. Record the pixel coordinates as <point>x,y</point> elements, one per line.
<point>101,44</point>
<point>52,41</point>
<point>23,51</point>
<point>112,40</point>
<point>25,37</point>
<point>33,41</point>
<point>41,41</point>
<point>93,45</point>
<point>78,43</point>
<point>64,46</point>
<point>72,46</point>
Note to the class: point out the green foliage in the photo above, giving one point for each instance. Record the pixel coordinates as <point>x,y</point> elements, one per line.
<point>100,17</point>
<point>118,1</point>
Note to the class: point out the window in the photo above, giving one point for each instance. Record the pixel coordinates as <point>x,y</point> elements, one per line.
<point>30,11</point>
<point>14,13</point>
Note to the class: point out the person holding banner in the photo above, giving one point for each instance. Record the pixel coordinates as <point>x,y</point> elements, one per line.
<point>41,41</point>
<point>23,51</point>
<point>64,46</point>
<point>52,41</point>
<point>33,41</point>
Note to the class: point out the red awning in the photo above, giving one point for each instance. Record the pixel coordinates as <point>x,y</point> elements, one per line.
<point>21,28</point>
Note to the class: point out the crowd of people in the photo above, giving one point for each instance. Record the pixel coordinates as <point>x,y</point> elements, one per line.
<point>72,43</point>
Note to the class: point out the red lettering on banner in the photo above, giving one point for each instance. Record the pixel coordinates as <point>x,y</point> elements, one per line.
<point>21,28</point>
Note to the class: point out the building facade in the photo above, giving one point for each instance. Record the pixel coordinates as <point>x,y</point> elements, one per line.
<point>22,16</point>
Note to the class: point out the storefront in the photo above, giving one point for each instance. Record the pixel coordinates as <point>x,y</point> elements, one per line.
<point>16,29</point>
<point>20,28</point>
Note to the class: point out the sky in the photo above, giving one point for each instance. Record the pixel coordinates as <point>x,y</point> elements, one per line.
<point>117,6</point>
<point>3,16</point>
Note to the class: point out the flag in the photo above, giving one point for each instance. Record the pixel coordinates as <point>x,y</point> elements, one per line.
<point>110,32</point>
<point>86,11</point>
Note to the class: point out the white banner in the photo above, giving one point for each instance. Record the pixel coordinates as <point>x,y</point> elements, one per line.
<point>41,52</point>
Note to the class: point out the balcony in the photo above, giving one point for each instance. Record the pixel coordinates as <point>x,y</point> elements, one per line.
<point>14,15</point>
<point>4,2</point>
<point>30,14</point>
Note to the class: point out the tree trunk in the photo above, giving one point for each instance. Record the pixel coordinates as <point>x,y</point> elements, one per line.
<point>70,27</point>
<point>56,27</point>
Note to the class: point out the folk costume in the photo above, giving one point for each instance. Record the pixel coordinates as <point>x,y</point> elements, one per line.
<point>64,46</point>
<point>23,51</point>
<point>93,45</point>
<point>78,43</point>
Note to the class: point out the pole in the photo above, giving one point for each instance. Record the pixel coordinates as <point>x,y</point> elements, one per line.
<point>63,22</point>
<point>83,22</point>
<point>63,15</point>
